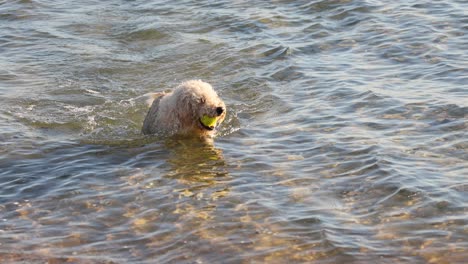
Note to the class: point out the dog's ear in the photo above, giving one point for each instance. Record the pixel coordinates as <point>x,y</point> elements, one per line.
<point>186,109</point>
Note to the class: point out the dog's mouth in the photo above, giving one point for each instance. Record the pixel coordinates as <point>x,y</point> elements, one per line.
<point>210,128</point>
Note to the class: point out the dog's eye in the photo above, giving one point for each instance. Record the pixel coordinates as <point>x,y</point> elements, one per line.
<point>202,100</point>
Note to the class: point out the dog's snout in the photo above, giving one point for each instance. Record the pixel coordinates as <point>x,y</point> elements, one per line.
<point>219,110</point>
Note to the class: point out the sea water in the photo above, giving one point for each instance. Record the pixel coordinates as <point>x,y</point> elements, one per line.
<point>345,139</point>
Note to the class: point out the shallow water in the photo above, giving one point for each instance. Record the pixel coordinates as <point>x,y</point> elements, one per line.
<point>345,140</point>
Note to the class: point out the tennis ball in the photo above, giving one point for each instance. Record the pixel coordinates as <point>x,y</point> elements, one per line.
<point>208,121</point>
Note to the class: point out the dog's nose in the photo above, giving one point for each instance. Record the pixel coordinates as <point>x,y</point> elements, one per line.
<point>219,110</point>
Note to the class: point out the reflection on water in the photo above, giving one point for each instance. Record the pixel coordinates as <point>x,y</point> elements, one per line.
<point>345,139</point>
<point>100,210</point>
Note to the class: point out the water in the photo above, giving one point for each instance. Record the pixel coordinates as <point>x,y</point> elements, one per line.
<point>345,140</point>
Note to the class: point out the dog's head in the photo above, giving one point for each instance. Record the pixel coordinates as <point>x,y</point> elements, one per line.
<point>200,108</point>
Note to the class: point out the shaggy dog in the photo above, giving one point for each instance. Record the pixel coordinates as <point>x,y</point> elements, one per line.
<point>193,108</point>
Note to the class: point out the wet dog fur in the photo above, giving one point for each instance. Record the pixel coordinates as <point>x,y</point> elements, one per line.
<point>180,111</point>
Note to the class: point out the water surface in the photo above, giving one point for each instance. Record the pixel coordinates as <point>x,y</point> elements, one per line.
<point>345,140</point>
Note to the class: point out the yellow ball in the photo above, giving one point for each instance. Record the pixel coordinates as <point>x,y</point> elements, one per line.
<point>208,121</point>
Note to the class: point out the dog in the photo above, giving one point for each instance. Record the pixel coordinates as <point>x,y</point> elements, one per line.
<point>193,108</point>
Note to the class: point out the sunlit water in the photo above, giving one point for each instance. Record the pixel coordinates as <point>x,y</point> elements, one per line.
<point>345,140</point>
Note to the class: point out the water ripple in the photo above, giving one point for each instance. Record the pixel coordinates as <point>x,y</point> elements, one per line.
<point>344,141</point>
